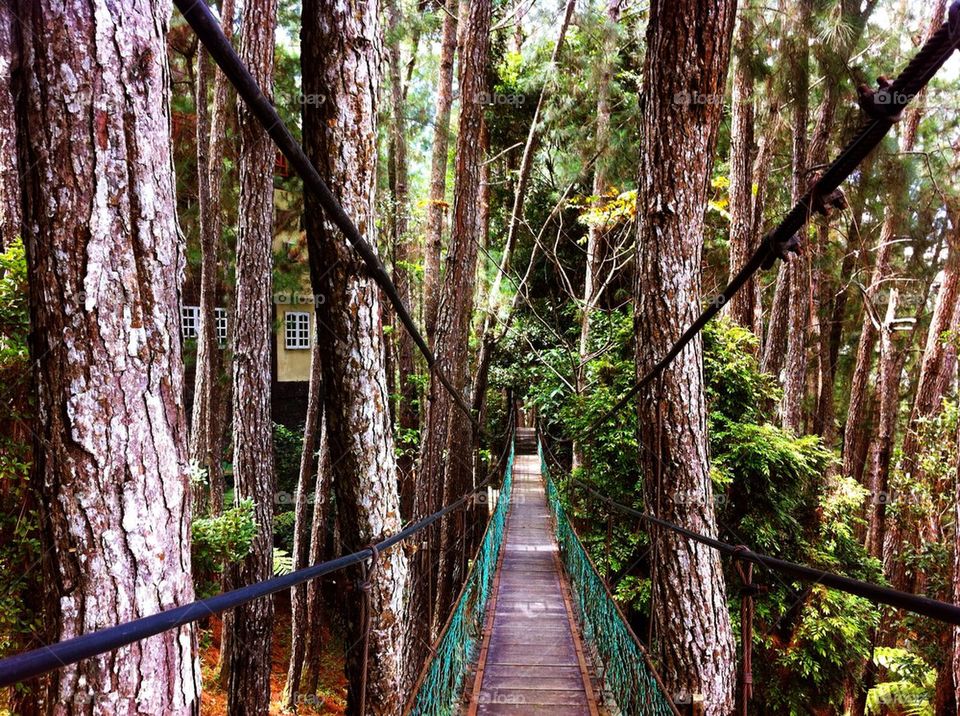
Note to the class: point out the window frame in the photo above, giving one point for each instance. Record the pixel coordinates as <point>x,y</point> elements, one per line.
<point>296,330</point>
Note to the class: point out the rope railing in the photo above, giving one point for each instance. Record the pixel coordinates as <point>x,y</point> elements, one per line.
<point>36,662</point>
<point>882,109</point>
<point>627,673</point>
<point>440,686</point>
<point>916,603</point>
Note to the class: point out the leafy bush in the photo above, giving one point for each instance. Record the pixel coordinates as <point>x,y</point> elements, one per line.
<point>284,525</point>
<point>912,690</point>
<point>287,448</point>
<point>772,492</point>
<point>20,549</point>
<point>220,541</point>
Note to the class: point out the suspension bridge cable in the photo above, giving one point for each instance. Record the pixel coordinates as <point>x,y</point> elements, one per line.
<point>933,608</point>
<point>209,32</point>
<point>883,109</point>
<point>36,662</point>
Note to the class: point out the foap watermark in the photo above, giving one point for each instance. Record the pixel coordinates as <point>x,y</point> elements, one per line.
<point>504,698</point>
<point>497,99</point>
<point>311,100</point>
<point>900,497</point>
<point>298,298</point>
<point>688,99</point>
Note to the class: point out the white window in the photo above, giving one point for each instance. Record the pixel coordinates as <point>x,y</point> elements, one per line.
<point>189,321</point>
<point>221,321</point>
<point>297,330</point>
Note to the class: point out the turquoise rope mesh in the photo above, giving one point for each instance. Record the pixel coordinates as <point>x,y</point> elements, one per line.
<point>440,692</point>
<point>626,670</point>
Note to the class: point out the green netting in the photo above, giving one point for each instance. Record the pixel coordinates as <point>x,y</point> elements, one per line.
<point>626,673</point>
<point>442,687</point>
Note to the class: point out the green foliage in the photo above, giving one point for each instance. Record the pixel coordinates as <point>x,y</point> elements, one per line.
<point>282,562</point>
<point>284,526</point>
<point>14,314</point>
<point>220,541</point>
<point>20,548</point>
<point>911,691</point>
<point>287,450</point>
<point>770,488</point>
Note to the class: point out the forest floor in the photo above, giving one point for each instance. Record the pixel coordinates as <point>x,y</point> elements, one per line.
<point>331,695</point>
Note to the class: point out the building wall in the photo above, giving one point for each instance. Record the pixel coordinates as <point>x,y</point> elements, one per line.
<point>292,364</point>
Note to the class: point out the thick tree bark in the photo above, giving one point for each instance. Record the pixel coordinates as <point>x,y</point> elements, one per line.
<point>448,440</point>
<point>10,218</point>
<point>302,533</point>
<point>206,434</point>
<point>433,240</point>
<point>695,641</point>
<point>601,185</point>
<point>105,269</point>
<point>341,49</point>
<point>743,304</point>
<point>313,647</point>
<point>407,415</point>
<point>248,664</point>
<point>451,334</point>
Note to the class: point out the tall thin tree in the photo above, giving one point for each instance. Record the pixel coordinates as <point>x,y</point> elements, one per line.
<point>695,641</point>
<point>341,50</point>
<point>405,257</point>
<point>302,533</point>
<point>9,176</point>
<point>436,203</point>
<point>448,437</point>
<point>248,663</point>
<point>743,304</point>
<point>206,431</point>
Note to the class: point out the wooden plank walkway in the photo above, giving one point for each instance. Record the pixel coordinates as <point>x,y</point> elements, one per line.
<point>531,660</point>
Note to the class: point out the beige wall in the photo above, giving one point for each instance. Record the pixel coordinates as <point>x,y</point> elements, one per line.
<point>292,364</point>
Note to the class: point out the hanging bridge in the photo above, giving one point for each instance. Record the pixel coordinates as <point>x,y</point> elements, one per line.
<point>535,629</point>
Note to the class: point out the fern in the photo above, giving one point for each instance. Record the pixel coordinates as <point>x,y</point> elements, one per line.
<point>282,562</point>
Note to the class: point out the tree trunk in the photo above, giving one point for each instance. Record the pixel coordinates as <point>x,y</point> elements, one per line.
<point>408,417</point>
<point>798,269</point>
<point>302,534</point>
<point>854,434</point>
<point>927,403</point>
<point>313,648</point>
<point>206,434</point>
<point>826,408</point>
<point>825,335</point>
<point>10,219</point>
<point>341,48</point>
<point>890,366</point>
<point>436,205</point>
<point>695,642</point>
<point>595,234</point>
<point>743,304</point>
<point>105,269</point>
<point>448,440</point>
<point>248,662</point>
<point>955,660</point>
